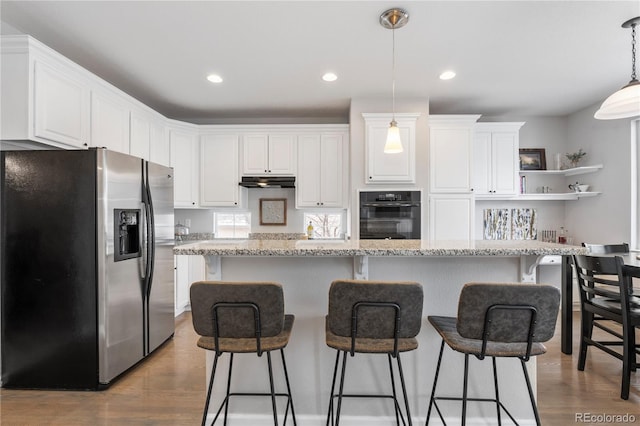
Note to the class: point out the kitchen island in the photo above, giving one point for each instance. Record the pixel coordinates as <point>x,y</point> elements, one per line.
<point>307,267</point>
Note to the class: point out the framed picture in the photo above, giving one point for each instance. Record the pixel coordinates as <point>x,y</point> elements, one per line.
<point>273,211</point>
<point>532,159</point>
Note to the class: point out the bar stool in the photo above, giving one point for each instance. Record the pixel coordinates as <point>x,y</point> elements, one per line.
<point>497,320</point>
<point>375,317</point>
<point>242,317</point>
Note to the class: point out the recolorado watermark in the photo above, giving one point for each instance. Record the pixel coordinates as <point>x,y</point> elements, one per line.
<point>604,418</point>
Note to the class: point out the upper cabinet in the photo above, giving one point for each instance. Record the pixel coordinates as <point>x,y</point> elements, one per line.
<point>219,175</point>
<point>148,138</point>
<point>269,154</point>
<point>184,160</point>
<point>495,153</point>
<point>450,153</point>
<point>109,123</point>
<point>390,168</point>
<point>320,170</point>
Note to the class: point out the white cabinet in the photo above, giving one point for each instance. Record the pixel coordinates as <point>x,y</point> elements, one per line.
<point>495,152</point>
<point>320,171</point>
<point>189,269</point>
<point>390,168</point>
<point>451,217</point>
<point>450,153</point>
<point>61,112</point>
<point>109,123</point>
<point>219,175</point>
<point>184,160</point>
<point>270,154</point>
<point>148,139</point>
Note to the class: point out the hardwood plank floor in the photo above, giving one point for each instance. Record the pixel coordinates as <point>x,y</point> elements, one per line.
<point>168,389</point>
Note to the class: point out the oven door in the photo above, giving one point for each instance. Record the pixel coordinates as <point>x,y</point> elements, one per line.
<point>389,220</point>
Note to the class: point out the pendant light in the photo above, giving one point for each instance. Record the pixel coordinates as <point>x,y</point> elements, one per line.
<point>392,19</point>
<point>625,102</point>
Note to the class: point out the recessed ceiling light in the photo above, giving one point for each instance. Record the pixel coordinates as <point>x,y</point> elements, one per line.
<point>214,78</point>
<point>329,77</point>
<point>447,75</point>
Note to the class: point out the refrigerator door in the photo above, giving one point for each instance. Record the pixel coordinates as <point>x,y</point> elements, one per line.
<point>120,263</point>
<point>160,292</point>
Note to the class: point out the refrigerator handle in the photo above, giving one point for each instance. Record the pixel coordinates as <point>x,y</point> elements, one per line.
<point>151,234</point>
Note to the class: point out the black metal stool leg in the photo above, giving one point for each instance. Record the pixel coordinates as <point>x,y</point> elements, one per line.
<point>531,396</point>
<point>396,406</point>
<point>210,387</point>
<point>464,389</point>
<point>435,382</point>
<point>404,391</point>
<point>286,378</point>
<point>226,400</point>
<point>333,386</point>
<point>344,368</point>
<point>495,384</point>
<point>273,394</point>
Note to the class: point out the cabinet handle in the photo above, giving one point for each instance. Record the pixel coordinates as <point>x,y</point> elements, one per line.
<point>471,189</point>
<point>235,204</point>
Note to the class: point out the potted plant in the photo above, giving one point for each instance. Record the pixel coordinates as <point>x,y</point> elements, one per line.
<point>575,157</point>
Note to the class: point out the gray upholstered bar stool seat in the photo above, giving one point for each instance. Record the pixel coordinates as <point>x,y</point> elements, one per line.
<point>375,317</point>
<point>497,320</point>
<point>242,317</point>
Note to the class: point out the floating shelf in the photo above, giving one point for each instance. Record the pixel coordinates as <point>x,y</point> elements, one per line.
<point>566,172</point>
<point>539,197</point>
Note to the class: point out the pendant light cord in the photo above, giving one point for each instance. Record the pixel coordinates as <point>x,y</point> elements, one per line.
<point>393,73</point>
<point>633,52</point>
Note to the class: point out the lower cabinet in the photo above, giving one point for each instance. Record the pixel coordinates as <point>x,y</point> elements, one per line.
<point>189,269</point>
<point>451,217</point>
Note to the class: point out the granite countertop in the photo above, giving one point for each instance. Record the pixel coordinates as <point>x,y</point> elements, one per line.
<point>375,248</point>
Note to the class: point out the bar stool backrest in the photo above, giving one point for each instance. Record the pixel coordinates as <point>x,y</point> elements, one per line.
<point>375,322</point>
<point>237,322</point>
<point>511,305</point>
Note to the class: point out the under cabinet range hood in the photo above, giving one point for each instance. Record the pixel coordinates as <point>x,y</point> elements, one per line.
<point>268,182</point>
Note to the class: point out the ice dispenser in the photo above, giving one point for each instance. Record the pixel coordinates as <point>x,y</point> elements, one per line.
<point>127,234</point>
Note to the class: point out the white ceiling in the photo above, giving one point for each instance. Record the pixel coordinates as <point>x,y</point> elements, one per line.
<point>511,57</point>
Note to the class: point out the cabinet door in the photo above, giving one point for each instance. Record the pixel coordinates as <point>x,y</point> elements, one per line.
<point>309,169</point>
<point>61,107</point>
<point>504,162</point>
<point>219,170</point>
<point>255,154</point>
<point>159,144</point>
<point>185,168</point>
<point>281,154</point>
<point>109,123</point>
<point>450,159</point>
<point>331,171</point>
<point>182,283</point>
<point>389,168</point>
<point>140,138</point>
<point>451,217</point>
<point>482,163</point>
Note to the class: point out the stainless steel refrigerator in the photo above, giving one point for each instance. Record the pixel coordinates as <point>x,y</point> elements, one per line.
<point>86,266</point>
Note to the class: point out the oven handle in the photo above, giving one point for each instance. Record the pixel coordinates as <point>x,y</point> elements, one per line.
<point>390,204</point>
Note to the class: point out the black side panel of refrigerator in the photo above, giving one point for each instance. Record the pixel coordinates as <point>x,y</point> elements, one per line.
<point>48,289</point>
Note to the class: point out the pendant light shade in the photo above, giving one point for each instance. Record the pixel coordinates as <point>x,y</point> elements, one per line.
<point>392,19</point>
<point>393,144</point>
<point>625,102</point>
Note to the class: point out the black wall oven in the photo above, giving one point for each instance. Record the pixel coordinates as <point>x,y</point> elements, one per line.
<point>389,215</point>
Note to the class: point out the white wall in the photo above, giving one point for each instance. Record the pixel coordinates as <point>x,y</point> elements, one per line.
<point>607,217</point>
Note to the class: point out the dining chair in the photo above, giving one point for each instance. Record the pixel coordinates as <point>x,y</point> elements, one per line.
<point>242,317</point>
<point>607,248</point>
<point>607,303</point>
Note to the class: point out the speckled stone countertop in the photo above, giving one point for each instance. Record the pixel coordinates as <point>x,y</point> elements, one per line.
<point>375,248</point>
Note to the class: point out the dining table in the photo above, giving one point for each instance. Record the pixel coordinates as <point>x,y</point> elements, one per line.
<point>631,268</point>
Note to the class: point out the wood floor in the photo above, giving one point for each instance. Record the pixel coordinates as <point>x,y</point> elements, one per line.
<point>168,389</point>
